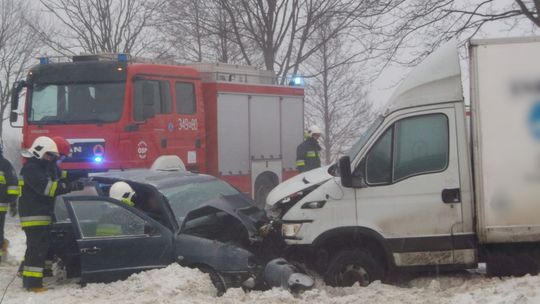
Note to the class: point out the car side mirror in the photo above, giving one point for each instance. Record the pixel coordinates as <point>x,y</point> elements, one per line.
<point>345,171</point>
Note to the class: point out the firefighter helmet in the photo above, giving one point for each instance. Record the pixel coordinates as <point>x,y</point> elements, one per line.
<point>122,191</point>
<point>64,147</point>
<point>40,147</point>
<point>314,130</point>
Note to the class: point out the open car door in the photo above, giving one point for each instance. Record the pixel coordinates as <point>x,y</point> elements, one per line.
<point>116,240</point>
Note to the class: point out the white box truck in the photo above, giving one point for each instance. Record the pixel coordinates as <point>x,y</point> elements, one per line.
<point>414,193</point>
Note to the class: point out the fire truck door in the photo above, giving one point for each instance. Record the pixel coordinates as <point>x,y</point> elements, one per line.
<point>187,128</point>
<point>153,108</point>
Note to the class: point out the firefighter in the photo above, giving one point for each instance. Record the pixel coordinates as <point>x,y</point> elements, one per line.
<point>115,221</point>
<point>307,153</point>
<point>64,149</point>
<point>123,192</point>
<point>41,184</point>
<point>9,191</point>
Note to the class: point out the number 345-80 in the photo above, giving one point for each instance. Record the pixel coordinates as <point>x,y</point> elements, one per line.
<point>187,124</point>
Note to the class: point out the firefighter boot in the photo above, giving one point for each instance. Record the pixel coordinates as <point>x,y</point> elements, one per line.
<point>4,250</point>
<point>37,289</point>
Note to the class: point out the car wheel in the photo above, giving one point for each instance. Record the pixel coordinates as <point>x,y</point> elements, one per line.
<point>217,279</point>
<point>351,266</point>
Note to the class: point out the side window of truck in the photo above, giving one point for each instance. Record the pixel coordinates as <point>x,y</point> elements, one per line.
<point>165,106</point>
<point>421,145</point>
<point>161,96</point>
<point>412,146</point>
<point>379,160</point>
<point>185,98</point>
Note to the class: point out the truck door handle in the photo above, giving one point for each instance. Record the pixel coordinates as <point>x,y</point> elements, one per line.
<point>92,250</point>
<point>451,196</point>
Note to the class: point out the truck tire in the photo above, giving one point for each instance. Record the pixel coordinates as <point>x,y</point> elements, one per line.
<point>353,265</point>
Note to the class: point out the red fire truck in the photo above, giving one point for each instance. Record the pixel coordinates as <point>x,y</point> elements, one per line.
<point>230,121</point>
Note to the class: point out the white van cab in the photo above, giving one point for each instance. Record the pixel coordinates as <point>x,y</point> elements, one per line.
<point>413,194</point>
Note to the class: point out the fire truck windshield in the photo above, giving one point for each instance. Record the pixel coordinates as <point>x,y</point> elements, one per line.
<point>76,103</point>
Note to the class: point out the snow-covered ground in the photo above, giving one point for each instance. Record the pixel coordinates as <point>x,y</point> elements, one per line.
<point>176,284</point>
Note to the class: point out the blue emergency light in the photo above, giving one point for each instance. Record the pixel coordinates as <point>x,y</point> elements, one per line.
<point>98,159</point>
<point>123,57</point>
<point>43,60</point>
<point>296,81</point>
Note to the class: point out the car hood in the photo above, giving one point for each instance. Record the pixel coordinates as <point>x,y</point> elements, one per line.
<point>298,183</point>
<point>237,206</point>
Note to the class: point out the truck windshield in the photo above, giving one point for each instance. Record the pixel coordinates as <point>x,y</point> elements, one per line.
<point>364,137</point>
<point>76,103</point>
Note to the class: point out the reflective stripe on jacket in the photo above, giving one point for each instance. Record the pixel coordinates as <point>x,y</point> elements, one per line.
<point>41,184</point>
<point>307,155</point>
<point>9,189</point>
<point>38,220</point>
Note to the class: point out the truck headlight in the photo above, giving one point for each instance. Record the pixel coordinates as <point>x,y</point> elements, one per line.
<point>290,230</point>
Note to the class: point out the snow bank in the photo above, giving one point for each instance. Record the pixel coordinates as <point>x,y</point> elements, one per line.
<point>176,284</point>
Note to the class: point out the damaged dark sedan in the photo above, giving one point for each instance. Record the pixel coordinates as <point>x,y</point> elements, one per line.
<point>193,219</point>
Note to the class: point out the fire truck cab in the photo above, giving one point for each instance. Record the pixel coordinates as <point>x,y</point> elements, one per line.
<point>118,113</point>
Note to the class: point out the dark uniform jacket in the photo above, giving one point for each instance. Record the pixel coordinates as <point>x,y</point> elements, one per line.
<point>9,185</point>
<point>307,155</point>
<point>41,184</point>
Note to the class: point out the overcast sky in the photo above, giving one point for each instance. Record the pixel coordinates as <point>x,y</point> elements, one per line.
<point>382,88</point>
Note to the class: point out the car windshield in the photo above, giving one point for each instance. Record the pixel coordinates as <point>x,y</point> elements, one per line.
<point>185,198</point>
<point>76,103</point>
<point>364,137</point>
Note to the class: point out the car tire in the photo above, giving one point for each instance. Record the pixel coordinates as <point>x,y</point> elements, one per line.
<point>350,266</point>
<point>217,280</point>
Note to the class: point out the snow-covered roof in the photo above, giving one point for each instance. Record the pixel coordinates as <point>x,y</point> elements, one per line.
<point>436,80</point>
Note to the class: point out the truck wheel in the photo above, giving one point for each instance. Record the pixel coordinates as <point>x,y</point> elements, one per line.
<point>353,265</point>
<point>262,189</point>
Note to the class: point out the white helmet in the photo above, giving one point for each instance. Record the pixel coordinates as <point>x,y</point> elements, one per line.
<point>40,146</point>
<point>123,192</point>
<point>314,130</point>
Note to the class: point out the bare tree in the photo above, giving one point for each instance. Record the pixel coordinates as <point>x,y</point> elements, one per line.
<point>18,47</point>
<point>420,26</point>
<point>279,31</point>
<point>480,13</point>
<point>182,21</point>
<point>113,26</point>
<point>198,30</point>
<point>337,97</point>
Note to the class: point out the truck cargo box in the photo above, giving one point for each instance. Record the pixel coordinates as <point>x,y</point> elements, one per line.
<point>505,105</point>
